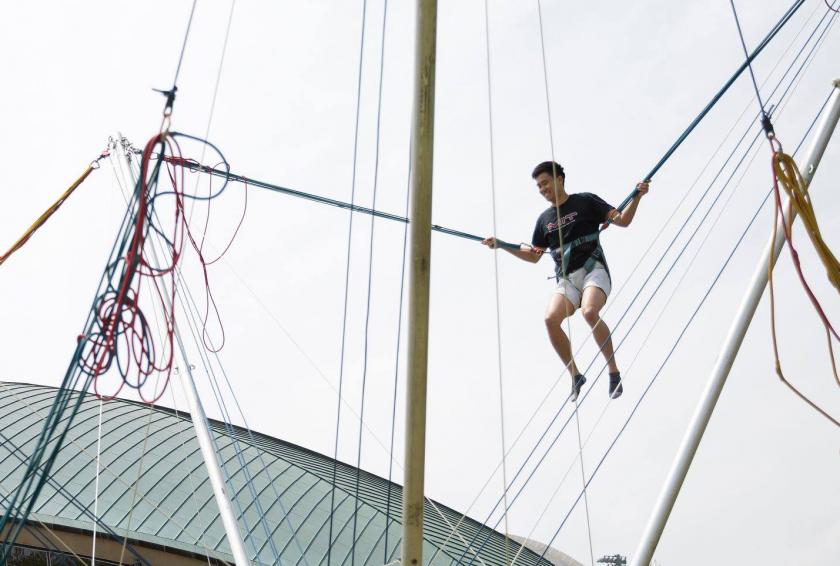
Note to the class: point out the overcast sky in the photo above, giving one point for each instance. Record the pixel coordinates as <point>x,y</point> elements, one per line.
<point>624,80</point>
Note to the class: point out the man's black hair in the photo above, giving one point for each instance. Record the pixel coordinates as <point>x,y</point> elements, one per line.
<point>551,167</point>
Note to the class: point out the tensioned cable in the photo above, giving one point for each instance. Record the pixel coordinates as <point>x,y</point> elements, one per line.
<point>35,477</point>
<point>496,272</point>
<point>773,31</point>
<point>215,95</point>
<point>755,153</point>
<point>104,467</point>
<point>679,337</point>
<point>37,470</point>
<point>135,488</point>
<point>154,251</point>
<point>347,278</point>
<point>648,279</point>
<point>366,334</point>
<point>22,457</point>
<point>397,361</point>
<point>189,305</point>
<point>96,482</point>
<point>572,375</point>
<point>119,171</point>
<point>765,117</point>
<point>193,327</point>
<point>352,207</point>
<point>184,45</point>
<point>621,342</point>
<point>655,323</point>
<point>42,538</point>
<point>383,215</point>
<point>623,286</point>
<point>120,174</point>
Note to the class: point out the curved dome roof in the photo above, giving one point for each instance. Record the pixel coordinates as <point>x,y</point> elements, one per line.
<point>281,492</point>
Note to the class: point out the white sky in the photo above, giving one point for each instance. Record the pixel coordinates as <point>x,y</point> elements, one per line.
<point>625,79</point>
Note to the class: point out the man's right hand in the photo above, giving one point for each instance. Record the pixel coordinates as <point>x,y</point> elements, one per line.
<point>492,242</point>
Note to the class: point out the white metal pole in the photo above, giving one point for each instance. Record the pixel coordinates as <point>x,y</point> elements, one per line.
<point>423,122</point>
<point>211,462</point>
<point>208,450</point>
<point>703,412</point>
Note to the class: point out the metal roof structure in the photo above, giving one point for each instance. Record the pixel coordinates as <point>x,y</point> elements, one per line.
<point>281,492</point>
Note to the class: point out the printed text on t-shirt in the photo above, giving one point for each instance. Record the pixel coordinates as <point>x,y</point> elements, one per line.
<point>564,221</point>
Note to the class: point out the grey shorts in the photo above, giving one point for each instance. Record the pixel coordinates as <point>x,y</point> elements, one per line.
<point>574,283</point>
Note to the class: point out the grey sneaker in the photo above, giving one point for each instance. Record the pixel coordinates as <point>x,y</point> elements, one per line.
<point>577,383</point>
<point>615,385</point>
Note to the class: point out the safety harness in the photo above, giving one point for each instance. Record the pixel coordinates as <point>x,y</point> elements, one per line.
<point>562,260</point>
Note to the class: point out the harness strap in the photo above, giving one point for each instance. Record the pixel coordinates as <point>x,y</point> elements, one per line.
<point>597,255</point>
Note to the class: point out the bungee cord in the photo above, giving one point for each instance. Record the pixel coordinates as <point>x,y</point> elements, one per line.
<point>190,307</point>
<point>782,97</point>
<point>110,312</point>
<point>116,329</point>
<point>119,171</point>
<point>626,281</point>
<point>678,339</point>
<point>654,325</point>
<point>767,39</point>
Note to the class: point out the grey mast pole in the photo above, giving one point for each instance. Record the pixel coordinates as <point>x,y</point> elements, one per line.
<point>703,412</point>
<point>418,295</point>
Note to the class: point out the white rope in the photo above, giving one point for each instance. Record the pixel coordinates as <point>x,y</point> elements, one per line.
<point>563,266</point>
<point>583,481</point>
<point>666,305</point>
<point>51,532</point>
<point>96,484</point>
<point>496,275</point>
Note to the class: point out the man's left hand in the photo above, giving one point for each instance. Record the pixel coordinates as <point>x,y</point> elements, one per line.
<point>642,188</point>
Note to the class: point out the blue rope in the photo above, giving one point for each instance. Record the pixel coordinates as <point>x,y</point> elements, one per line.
<point>644,284</point>
<point>347,280</point>
<point>771,34</point>
<point>680,336</point>
<point>369,286</point>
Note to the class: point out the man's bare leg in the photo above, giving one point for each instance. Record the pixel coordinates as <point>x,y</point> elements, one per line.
<point>560,308</point>
<point>592,302</point>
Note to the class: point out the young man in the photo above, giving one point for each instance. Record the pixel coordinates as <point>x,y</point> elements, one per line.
<point>583,280</point>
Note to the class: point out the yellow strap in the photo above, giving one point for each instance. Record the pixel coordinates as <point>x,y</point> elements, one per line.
<point>46,215</point>
<point>794,185</point>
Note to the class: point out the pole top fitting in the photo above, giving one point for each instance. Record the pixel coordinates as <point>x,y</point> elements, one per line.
<point>170,99</point>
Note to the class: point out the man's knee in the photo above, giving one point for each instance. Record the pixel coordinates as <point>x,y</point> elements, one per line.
<point>554,318</point>
<point>591,314</point>
<point>558,311</point>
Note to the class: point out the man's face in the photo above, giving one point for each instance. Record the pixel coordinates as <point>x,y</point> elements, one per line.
<point>546,185</point>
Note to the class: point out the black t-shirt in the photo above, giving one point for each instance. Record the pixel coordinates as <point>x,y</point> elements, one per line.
<point>581,215</point>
